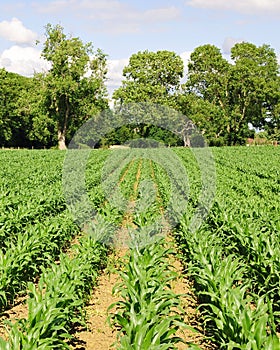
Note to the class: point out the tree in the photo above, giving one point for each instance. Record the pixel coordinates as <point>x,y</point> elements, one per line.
<point>150,77</point>
<point>207,117</point>
<point>13,126</point>
<point>205,95</point>
<point>33,108</point>
<point>243,90</point>
<point>74,85</point>
<point>272,125</point>
<point>254,85</point>
<point>208,74</point>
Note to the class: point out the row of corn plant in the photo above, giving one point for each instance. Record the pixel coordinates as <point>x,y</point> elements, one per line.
<point>236,317</point>
<point>32,182</point>
<point>21,216</point>
<point>249,222</point>
<point>32,188</point>
<point>162,181</point>
<point>148,201</point>
<point>149,314</point>
<point>257,246</point>
<point>103,175</point>
<point>34,222</point>
<point>128,182</point>
<point>82,172</point>
<point>118,164</point>
<point>244,217</point>
<point>23,259</point>
<point>56,304</point>
<point>163,168</point>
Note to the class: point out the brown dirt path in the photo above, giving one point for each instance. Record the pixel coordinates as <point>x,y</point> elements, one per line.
<point>99,335</point>
<point>183,286</point>
<point>17,311</point>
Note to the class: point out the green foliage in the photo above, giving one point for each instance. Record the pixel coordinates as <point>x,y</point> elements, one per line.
<point>150,76</point>
<point>221,97</point>
<point>40,110</point>
<point>234,257</point>
<point>142,135</point>
<point>70,97</point>
<point>245,91</point>
<point>14,127</point>
<point>147,315</point>
<point>32,107</point>
<point>56,304</point>
<point>34,222</point>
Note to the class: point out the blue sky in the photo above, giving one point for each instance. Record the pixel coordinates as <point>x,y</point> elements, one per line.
<point>121,28</point>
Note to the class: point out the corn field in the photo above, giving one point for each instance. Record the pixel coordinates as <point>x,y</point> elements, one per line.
<point>232,259</point>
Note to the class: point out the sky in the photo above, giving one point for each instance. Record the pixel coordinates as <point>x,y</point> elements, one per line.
<point>121,27</point>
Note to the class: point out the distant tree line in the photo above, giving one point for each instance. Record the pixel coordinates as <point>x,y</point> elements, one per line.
<point>226,100</point>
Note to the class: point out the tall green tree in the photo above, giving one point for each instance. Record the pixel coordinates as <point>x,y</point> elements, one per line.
<point>245,90</point>
<point>272,125</point>
<point>204,98</point>
<point>208,75</point>
<point>32,107</point>
<point>75,84</point>
<point>150,77</point>
<point>254,86</point>
<point>207,117</point>
<point>13,126</point>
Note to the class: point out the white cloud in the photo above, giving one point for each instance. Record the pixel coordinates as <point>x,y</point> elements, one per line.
<point>115,69</point>
<point>15,31</point>
<point>115,77</point>
<point>27,60</point>
<point>228,43</point>
<point>111,16</point>
<point>23,60</point>
<point>185,57</point>
<point>243,6</point>
<point>161,14</point>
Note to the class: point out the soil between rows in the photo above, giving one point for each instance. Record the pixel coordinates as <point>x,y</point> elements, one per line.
<point>100,336</point>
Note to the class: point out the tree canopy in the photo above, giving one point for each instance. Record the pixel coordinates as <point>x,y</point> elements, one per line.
<point>72,97</point>
<point>14,127</point>
<point>152,77</point>
<point>245,91</point>
<point>226,99</point>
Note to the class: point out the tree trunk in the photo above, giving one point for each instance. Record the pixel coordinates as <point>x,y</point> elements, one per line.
<point>61,140</point>
<point>62,130</point>
<point>187,140</point>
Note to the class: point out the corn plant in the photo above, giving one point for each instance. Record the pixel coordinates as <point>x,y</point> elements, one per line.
<point>149,314</point>
<point>237,319</point>
<point>57,303</point>
<point>34,249</point>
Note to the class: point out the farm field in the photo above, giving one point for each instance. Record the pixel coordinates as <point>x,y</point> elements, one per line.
<point>52,267</point>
